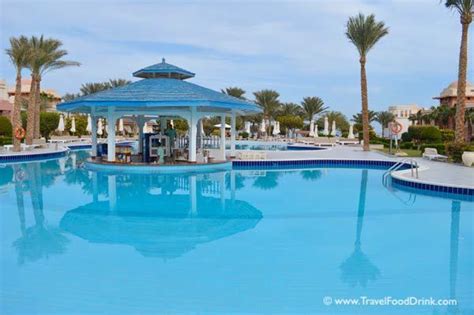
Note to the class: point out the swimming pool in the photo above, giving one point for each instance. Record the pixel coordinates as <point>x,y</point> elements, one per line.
<point>240,241</point>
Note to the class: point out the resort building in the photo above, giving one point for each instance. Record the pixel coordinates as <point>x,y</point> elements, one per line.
<point>402,114</point>
<point>52,97</point>
<point>6,107</point>
<point>449,95</point>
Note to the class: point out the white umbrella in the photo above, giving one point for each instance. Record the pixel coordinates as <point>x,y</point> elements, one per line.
<point>351,132</point>
<point>99,127</point>
<point>74,161</point>
<point>120,128</point>
<point>262,126</point>
<point>247,127</point>
<point>61,123</point>
<point>89,123</point>
<point>315,131</point>
<point>73,125</point>
<point>219,125</point>
<point>145,128</point>
<point>172,123</point>
<point>201,128</point>
<point>62,165</point>
<point>276,128</point>
<point>326,126</point>
<point>333,129</point>
<point>311,128</point>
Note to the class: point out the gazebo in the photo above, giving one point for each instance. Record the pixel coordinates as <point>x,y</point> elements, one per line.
<point>162,94</point>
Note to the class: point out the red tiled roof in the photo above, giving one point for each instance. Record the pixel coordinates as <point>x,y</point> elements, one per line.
<point>6,105</point>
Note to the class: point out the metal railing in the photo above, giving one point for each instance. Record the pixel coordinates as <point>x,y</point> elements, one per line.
<point>395,167</point>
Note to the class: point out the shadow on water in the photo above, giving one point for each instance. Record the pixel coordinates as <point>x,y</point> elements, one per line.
<point>358,269</point>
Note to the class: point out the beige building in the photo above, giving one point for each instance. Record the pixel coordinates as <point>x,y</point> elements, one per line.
<point>449,95</point>
<point>402,114</point>
<point>6,107</point>
<point>53,96</point>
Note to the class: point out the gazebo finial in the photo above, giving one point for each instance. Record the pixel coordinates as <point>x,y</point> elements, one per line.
<point>163,60</point>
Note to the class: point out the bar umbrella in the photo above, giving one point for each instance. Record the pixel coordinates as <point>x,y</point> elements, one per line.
<point>276,128</point>
<point>315,131</point>
<point>73,125</point>
<point>262,126</point>
<point>89,124</point>
<point>351,132</point>
<point>326,126</point>
<point>333,129</point>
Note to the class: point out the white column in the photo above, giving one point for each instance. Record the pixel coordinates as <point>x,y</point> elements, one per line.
<point>192,135</point>
<point>222,147</point>
<point>94,136</point>
<point>232,134</point>
<point>111,138</point>
<point>140,124</point>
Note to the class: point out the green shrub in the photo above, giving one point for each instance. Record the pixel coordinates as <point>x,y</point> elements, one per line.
<point>48,123</point>
<point>81,125</point>
<point>447,135</point>
<point>406,145</point>
<point>5,140</point>
<point>406,137</point>
<point>424,134</point>
<point>244,134</point>
<point>5,127</point>
<point>455,150</point>
<point>290,122</point>
<point>440,147</point>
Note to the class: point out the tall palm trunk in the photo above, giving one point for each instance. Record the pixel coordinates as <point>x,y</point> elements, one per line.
<point>365,103</point>
<point>461,100</point>
<point>37,108</point>
<point>16,116</point>
<point>30,126</point>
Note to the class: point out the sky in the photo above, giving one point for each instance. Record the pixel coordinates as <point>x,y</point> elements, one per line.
<point>297,48</point>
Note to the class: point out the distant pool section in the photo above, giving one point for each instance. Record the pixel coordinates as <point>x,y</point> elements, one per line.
<point>273,146</point>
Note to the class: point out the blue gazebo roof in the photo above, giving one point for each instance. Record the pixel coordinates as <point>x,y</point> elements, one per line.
<point>163,87</point>
<point>163,70</point>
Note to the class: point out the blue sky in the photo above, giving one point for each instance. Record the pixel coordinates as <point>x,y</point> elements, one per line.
<point>295,47</point>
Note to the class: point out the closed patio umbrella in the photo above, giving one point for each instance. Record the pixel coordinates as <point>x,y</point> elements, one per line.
<point>315,131</point>
<point>351,132</point>
<point>263,128</point>
<point>333,129</point>
<point>276,128</point>
<point>100,132</point>
<point>73,125</point>
<point>326,126</point>
<point>89,123</point>
<point>311,128</point>
<point>247,127</point>
<point>61,123</point>
<point>120,128</point>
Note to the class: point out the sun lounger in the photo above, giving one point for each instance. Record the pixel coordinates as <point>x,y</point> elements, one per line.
<point>432,154</point>
<point>251,155</point>
<point>345,141</point>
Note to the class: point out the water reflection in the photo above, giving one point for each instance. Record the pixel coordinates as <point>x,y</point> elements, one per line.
<point>163,215</point>
<point>357,269</point>
<point>39,240</point>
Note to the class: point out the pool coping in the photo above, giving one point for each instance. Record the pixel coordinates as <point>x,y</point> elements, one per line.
<point>26,156</point>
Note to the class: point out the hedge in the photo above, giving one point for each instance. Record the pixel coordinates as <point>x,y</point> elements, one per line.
<point>5,127</point>
<point>5,140</point>
<point>424,134</point>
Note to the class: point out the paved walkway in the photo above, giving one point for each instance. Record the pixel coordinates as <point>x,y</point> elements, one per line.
<point>430,172</point>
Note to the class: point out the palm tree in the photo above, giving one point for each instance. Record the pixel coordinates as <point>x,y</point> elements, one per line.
<point>118,82</point>
<point>364,32</point>
<point>338,117</point>
<point>268,101</point>
<point>93,87</point>
<point>18,54</point>
<point>465,9</point>
<point>290,109</point>
<point>384,118</point>
<point>357,118</point>
<point>45,55</point>
<point>313,106</point>
<point>417,118</point>
<point>235,92</point>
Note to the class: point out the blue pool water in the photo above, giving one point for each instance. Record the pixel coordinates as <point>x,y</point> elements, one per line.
<point>241,241</point>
